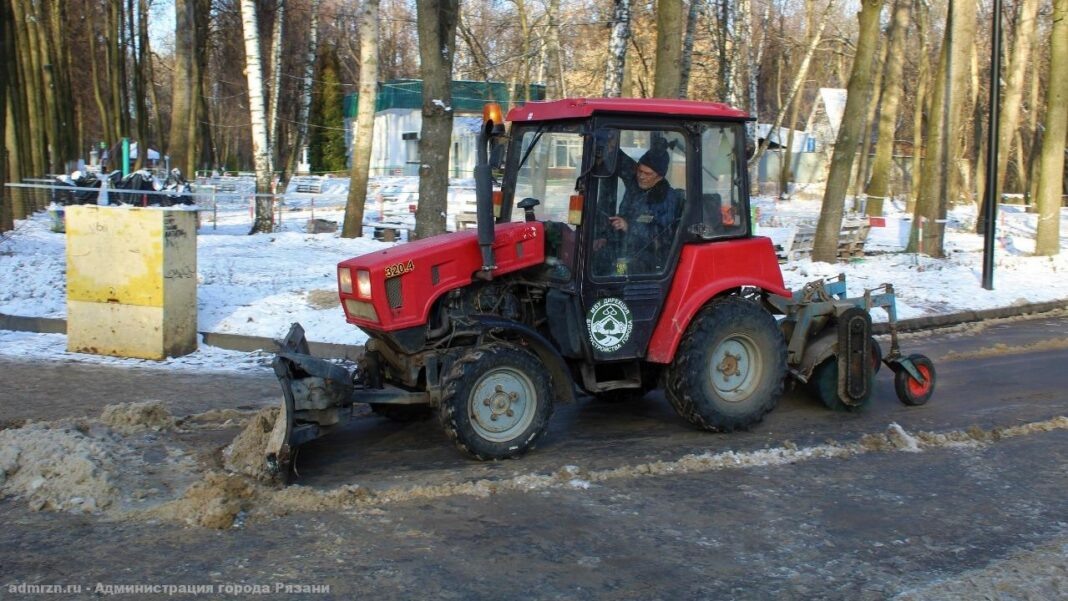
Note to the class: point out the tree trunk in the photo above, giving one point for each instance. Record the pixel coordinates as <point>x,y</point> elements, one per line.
<point>306,87</point>
<point>261,151</point>
<point>961,95</point>
<point>669,32</point>
<point>98,92</point>
<point>47,62</point>
<point>437,44</point>
<point>365,121</point>
<point>116,78</point>
<point>153,100</point>
<point>943,128</point>
<point>687,49</point>
<point>874,93</point>
<point>276,83</point>
<point>556,87</point>
<point>30,85</point>
<point>1051,169</point>
<point>725,36</point>
<point>1011,100</point>
<point>617,49</point>
<point>140,88</point>
<point>922,17</point>
<point>825,246</point>
<point>524,48</point>
<point>181,145</point>
<point>7,221</point>
<point>882,166</point>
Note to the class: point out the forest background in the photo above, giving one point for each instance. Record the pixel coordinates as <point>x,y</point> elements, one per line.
<point>244,84</point>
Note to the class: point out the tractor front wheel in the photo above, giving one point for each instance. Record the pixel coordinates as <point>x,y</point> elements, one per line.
<point>729,368</point>
<point>497,402</point>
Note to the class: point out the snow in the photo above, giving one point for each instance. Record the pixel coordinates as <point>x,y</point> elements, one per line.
<point>259,285</point>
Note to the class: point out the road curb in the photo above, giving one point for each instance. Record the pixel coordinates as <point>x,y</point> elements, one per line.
<point>929,322</point>
<point>328,350</point>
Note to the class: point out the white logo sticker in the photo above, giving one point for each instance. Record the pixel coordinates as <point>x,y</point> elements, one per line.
<point>610,323</point>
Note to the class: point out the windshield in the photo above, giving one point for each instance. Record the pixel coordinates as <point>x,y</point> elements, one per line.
<point>552,162</point>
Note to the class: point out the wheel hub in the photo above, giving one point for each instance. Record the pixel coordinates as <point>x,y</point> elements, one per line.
<point>502,404</point>
<point>729,365</point>
<point>735,368</point>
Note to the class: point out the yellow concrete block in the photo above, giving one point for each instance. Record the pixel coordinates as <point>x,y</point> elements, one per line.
<point>131,281</point>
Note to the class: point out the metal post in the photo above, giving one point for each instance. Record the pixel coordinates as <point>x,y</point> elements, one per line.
<point>990,206</point>
<point>126,156</point>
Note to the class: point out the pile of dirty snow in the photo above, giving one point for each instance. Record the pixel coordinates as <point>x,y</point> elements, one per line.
<point>57,468</point>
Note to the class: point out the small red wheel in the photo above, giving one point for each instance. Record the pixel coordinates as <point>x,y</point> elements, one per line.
<point>910,390</point>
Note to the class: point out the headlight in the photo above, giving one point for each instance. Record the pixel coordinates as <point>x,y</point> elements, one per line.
<point>363,283</point>
<point>344,280</point>
<point>361,309</point>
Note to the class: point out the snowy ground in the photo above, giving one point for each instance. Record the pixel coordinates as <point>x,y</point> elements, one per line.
<point>259,285</point>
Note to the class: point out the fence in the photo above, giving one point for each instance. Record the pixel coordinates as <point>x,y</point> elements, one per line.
<point>227,203</point>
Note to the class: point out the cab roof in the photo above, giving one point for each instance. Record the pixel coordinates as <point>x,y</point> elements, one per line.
<point>577,108</point>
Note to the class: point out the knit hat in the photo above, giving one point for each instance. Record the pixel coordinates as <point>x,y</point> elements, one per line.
<point>656,159</point>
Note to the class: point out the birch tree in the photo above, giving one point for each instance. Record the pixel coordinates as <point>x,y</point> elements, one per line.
<point>260,147</point>
<point>1051,167</point>
<point>276,82</point>
<point>687,48</point>
<point>304,109</point>
<point>556,86</point>
<point>437,45</point>
<point>882,166</point>
<point>825,246</point>
<point>617,49</point>
<point>669,35</point>
<point>365,121</point>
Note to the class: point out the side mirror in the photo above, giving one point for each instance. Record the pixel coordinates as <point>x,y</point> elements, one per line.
<point>605,152</point>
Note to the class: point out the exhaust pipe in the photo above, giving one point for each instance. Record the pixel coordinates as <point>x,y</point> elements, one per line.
<point>492,126</point>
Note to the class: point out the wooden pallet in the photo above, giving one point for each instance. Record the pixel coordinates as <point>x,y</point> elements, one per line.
<point>798,244</point>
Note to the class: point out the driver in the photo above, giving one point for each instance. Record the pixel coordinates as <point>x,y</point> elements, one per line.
<point>647,214</point>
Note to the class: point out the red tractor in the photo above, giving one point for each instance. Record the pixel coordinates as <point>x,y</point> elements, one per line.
<point>613,255</point>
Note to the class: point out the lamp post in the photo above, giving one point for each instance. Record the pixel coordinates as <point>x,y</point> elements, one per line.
<point>990,206</point>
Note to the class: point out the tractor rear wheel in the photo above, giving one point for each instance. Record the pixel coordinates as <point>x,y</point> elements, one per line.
<point>729,368</point>
<point>497,402</point>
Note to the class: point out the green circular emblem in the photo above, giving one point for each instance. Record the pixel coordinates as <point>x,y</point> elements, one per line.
<point>610,323</point>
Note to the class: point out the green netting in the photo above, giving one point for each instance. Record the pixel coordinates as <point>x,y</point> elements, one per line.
<point>467,96</point>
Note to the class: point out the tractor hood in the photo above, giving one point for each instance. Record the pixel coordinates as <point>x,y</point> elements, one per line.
<point>394,289</point>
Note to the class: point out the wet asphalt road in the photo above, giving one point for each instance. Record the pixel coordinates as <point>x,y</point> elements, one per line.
<point>868,527</point>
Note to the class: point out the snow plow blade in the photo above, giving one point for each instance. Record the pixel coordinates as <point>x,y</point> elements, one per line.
<point>313,392</point>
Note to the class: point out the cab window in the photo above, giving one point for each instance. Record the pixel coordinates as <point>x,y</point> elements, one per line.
<point>723,212</point>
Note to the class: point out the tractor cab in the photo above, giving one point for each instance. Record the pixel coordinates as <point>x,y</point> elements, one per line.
<point>621,188</point>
